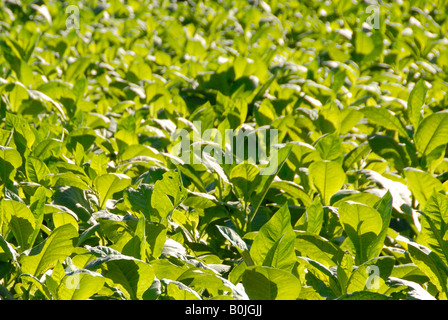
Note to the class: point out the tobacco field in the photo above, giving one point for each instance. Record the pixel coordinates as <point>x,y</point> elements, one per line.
<point>350,202</point>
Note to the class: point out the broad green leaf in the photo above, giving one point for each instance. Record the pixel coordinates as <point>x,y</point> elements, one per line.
<point>80,285</point>
<point>390,150</point>
<point>56,247</point>
<point>414,290</point>
<point>10,161</point>
<point>356,155</point>
<point>327,177</point>
<point>200,279</point>
<point>178,291</point>
<point>37,207</point>
<point>384,208</point>
<point>109,184</point>
<point>313,218</point>
<point>36,169</point>
<point>274,244</point>
<point>237,242</point>
<point>409,272</point>
<point>293,190</point>
<point>21,221</point>
<point>421,184</point>
<point>330,147</point>
<point>164,269</point>
<point>60,218</point>
<point>168,193</point>
<point>245,178</point>
<point>371,275</point>
<point>323,273</point>
<point>140,199</point>
<point>133,275</point>
<point>266,283</point>
<point>416,101</point>
<point>318,248</point>
<point>431,264</point>
<point>384,118</point>
<point>24,137</point>
<point>41,286</point>
<point>362,224</point>
<point>302,154</point>
<point>268,174</point>
<point>69,179</point>
<point>7,251</point>
<point>363,43</point>
<point>77,68</point>
<point>147,242</point>
<point>434,224</point>
<point>233,237</point>
<point>432,132</point>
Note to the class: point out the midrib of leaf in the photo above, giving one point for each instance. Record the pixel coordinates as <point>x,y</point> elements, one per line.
<point>44,254</point>
<point>325,183</point>
<point>266,187</point>
<point>103,201</point>
<point>436,234</point>
<point>433,134</point>
<point>358,233</point>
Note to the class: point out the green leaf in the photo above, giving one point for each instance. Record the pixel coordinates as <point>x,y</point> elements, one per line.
<point>80,285</point>
<point>266,283</point>
<point>421,184</point>
<point>327,177</point>
<point>36,169</point>
<point>318,248</point>
<point>356,155</point>
<point>274,244</point>
<point>409,272</point>
<point>237,242</point>
<point>371,275</point>
<point>416,101</point>
<point>77,68</point>
<point>390,150</point>
<point>168,193</point>
<point>233,237</point>
<point>276,162</point>
<point>109,184</point>
<point>34,281</point>
<point>21,221</point>
<point>414,290</point>
<point>432,132</point>
<point>56,247</point>
<point>384,118</point>
<point>293,190</point>
<point>330,147</point>
<point>133,275</point>
<point>8,252</point>
<point>245,179</point>
<point>178,291</point>
<point>384,207</point>
<point>434,225</point>
<point>431,264</point>
<point>313,218</point>
<point>362,225</point>
<point>10,161</point>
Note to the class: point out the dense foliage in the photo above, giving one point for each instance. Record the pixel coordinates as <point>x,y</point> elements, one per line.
<point>96,202</point>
